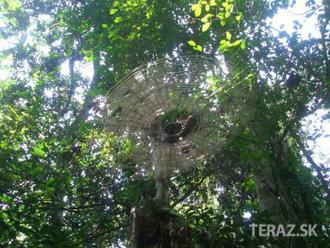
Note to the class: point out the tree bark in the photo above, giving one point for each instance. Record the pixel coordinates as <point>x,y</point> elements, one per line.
<point>157,228</point>
<point>155,224</point>
<point>268,197</point>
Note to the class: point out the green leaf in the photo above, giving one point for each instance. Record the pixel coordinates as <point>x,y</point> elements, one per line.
<point>238,18</point>
<point>118,19</point>
<point>223,45</point>
<point>223,22</point>
<point>197,8</point>
<point>198,48</point>
<point>4,216</point>
<point>192,43</point>
<point>213,3</point>
<point>113,11</point>
<point>206,26</point>
<point>228,35</point>
<point>6,199</point>
<point>38,152</point>
<point>227,6</point>
<point>243,45</point>
<point>3,144</point>
<point>237,42</point>
<point>13,5</point>
<point>104,25</point>
<point>207,18</point>
<point>194,7</point>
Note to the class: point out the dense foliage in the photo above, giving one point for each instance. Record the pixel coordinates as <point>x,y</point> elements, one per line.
<point>65,182</point>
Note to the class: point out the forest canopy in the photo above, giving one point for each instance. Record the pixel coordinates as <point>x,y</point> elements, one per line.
<point>67,181</point>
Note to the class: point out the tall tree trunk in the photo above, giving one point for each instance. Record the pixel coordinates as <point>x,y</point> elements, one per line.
<point>269,199</point>
<point>155,225</point>
<point>156,228</point>
<point>265,180</point>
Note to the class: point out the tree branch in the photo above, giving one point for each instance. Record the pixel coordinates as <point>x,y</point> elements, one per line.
<point>192,189</point>
<point>317,168</point>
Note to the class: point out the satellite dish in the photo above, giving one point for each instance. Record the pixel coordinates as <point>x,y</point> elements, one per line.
<point>178,111</point>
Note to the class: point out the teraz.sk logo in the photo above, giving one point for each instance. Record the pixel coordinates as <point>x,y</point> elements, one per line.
<point>288,230</point>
